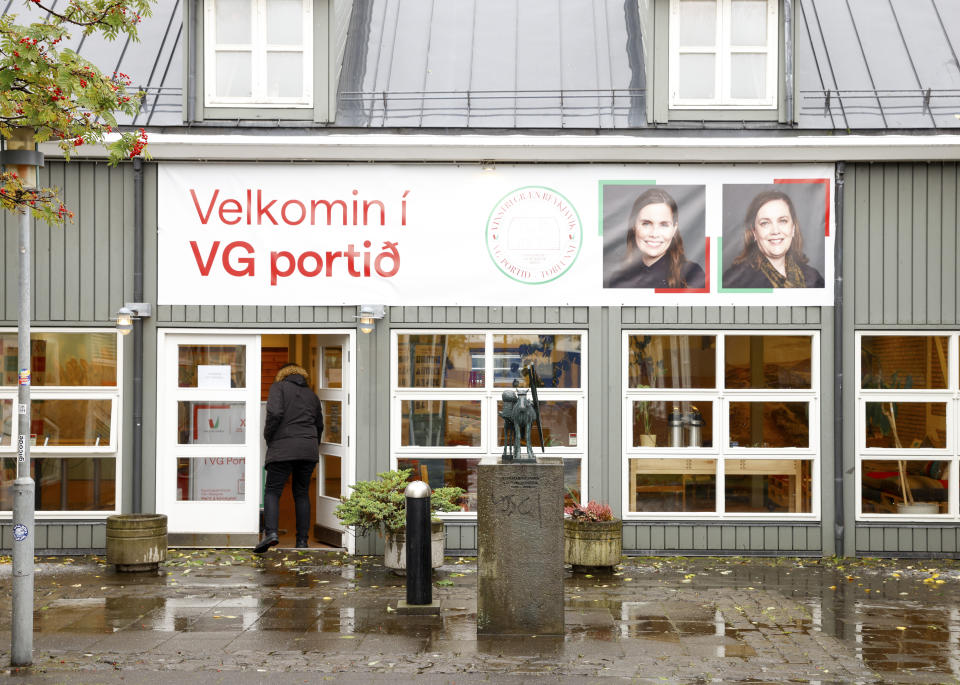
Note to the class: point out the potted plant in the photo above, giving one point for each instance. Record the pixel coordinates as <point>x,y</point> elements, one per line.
<point>379,505</point>
<point>592,535</point>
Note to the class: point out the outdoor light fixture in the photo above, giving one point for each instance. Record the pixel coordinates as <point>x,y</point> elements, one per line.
<point>369,313</point>
<point>128,312</point>
<point>488,165</point>
<point>19,154</point>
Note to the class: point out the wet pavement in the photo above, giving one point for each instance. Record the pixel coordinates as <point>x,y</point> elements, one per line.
<point>291,616</point>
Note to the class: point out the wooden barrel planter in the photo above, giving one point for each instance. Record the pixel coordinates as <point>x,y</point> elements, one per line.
<point>592,543</point>
<point>136,542</point>
<point>395,549</point>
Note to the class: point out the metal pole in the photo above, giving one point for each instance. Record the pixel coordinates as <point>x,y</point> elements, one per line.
<point>419,568</point>
<point>21,652</point>
<point>838,350</point>
<point>137,470</point>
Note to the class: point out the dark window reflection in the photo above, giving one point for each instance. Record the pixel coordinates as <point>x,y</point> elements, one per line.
<point>768,361</point>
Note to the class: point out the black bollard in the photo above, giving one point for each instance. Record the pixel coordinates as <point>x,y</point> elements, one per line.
<point>419,568</point>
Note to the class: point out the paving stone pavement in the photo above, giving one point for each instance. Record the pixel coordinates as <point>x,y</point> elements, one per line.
<point>315,614</point>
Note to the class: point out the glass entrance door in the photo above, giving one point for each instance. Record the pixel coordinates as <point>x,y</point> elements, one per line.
<point>208,408</point>
<point>333,389</point>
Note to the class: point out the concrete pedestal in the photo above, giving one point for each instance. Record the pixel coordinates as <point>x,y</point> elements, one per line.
<point>520,548</point>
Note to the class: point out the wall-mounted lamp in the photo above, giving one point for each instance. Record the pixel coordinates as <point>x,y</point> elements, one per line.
<point>488,165</point>
<point>369,313</point>
<point>130,311</point>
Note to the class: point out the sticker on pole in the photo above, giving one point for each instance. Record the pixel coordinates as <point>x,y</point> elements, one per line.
<point>20,532</point>
<point>24,376</point>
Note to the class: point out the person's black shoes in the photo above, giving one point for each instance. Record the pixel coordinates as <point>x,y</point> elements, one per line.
<point>269,540</point>
<point>302,543</point>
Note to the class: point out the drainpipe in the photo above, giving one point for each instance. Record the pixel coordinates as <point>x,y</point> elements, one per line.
<point>137,470</point>
<point>192,60</point>
<point>838,512</point>
<point>788,60</point>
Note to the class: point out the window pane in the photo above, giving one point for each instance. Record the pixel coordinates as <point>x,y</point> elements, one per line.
<point>884,482</point>
<point>435,423</point>
<point>6,423</point>
<point>769,424</point>
<point>331,476</point>
<point>672,423</point>
<point>748,22</point>
<point>285,74</point>
<point>698,23</point>
<point>332,367</point>
<point>697,76</point>
<point>748,76</point>
<point>74,359</point>
<point>233,74</point>
<point>767,486</point>
<point>192,357</point>
<point>904,362</point>
<point>673,485</point>
<point>559,419</point>
<point>285,22</point>
<point>572,484</point>
<point>211,479</point>
<point>440,361</point>
<point>211,423</point>
<point>556,359</point>
<point>906,425</point>
<point>70,423</point>
<point>332,421</point>
<point>672,361</point>
<point>233,21</point>
<point>771,361</point>
<point>64,484</point>
<point>438,473</point>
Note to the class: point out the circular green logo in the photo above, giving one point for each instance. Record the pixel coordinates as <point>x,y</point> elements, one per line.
<point>534,235</point>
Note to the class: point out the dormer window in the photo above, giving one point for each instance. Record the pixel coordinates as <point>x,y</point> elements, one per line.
<point>723,54</point>
<point>259,53</point>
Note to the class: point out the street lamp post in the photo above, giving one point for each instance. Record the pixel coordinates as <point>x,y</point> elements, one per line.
<point>19,153</point>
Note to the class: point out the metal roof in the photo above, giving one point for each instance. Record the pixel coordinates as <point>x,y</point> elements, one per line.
<point>555,64</point>
<point>493,63</point>
<point>878,64</point>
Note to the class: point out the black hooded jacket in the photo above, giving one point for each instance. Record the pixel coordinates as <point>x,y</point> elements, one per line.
<point>294,422</point>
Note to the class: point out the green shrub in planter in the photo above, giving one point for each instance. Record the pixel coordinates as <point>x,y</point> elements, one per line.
<point>379,505</point>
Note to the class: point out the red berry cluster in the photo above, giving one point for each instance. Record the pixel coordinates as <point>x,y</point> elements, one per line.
<point>139,144</point>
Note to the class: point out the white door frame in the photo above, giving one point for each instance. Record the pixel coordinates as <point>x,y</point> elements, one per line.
<point>346,394</point>
<point>233,517</point>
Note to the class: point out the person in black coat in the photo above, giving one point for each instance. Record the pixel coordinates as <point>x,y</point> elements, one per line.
<point>772,255</point>
<point>293,428</point>
<point>654,249</point>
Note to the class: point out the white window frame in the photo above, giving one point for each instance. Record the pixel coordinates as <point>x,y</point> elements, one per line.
<point>950,396</point>
<point>61,392</point>
<point>488,452</point>
<point>720,452</point>
<point>723,50</point>
<point>258,49</point>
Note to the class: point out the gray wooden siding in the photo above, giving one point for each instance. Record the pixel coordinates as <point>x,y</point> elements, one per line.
<point>901,256</point>
<point>722,538</point>
<point>61,537</point>
<point>81,270</point>
<point>246,315</point>
<point>901,247</point>
<point>913,540</point>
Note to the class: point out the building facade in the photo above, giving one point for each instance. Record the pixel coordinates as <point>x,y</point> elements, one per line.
<point>482,181</point>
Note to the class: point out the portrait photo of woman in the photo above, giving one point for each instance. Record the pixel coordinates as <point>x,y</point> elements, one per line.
<point>768,240</point>
<point>650,252</point>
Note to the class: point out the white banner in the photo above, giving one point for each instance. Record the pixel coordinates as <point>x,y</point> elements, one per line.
<point>447,234</point>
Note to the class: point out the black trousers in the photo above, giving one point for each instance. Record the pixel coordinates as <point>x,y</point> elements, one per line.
<point>277,474</point>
